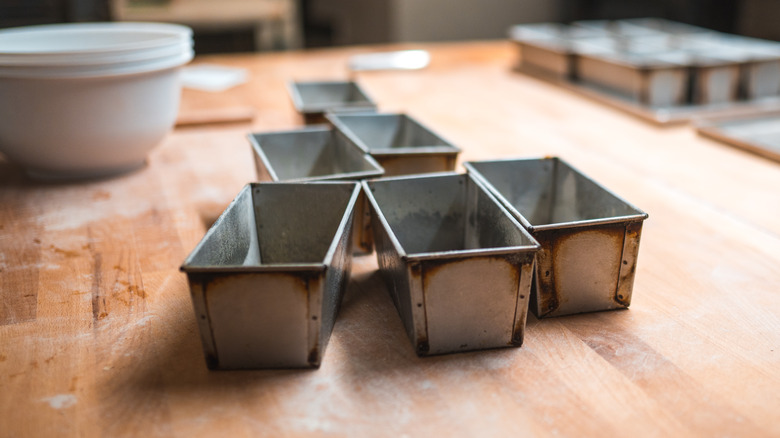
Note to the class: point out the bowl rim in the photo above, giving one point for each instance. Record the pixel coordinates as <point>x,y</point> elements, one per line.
<point>98,71</point>
<point>154,35</point>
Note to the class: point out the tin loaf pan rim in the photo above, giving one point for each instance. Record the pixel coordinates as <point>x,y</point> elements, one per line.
<point>257,147</point>
<point>189,265</point>
<point>450,254</point>
<point>447,148</point>
<point>638,216</point>
<point>300,104</point>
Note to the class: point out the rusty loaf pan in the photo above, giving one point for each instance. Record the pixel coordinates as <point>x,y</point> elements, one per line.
<point>268,277</point>
<point>457,265</point>
<point>316,153</point>
<point>589,236</point>
<point>399,143</point>
<point>314,98</point>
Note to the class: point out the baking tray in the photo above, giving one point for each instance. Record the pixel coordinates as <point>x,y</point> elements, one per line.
<point>758,133</point>
<point>314,98</point>
<point>718,74</point>
<point>316,153</point>
<point>457,265</point>
<point>657,115</point>
<point>267,279</point>
<point>589,236</point>
<point>399,143</point>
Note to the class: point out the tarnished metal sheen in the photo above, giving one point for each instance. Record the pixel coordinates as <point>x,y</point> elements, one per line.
<point>401,144</point>
<point>589,236</point>
<point>457,265</point>
<point>268,277</point>
<point>313,99</point>
<point>316,153</point>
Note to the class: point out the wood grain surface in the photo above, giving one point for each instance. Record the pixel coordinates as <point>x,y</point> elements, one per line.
<point>98,335</point>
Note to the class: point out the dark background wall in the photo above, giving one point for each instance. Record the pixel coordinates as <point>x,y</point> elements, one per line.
<point>336,22</point>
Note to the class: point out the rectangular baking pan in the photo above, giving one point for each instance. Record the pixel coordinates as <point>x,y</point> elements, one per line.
<point>652,79</point>
<point>589,236</point>
<point>316,153</point>
<point>312,99</point>
<point>267,278</point>
<point>399,143</point>
<point>456,264</point>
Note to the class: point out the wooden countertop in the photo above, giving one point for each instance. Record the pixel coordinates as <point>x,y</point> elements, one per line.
<point>98,334</point>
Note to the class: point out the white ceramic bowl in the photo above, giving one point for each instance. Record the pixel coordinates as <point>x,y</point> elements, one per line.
<point>101,40</point>
<point>80,111</point>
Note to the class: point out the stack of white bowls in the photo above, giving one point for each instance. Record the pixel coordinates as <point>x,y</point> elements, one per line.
<point>89,99</point>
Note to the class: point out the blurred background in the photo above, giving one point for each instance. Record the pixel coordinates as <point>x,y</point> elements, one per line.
<point>257,25</point>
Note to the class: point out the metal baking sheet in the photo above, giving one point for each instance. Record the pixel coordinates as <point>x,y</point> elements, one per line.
<point>758,133</point>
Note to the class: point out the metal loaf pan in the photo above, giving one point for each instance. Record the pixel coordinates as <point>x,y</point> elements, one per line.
<point>316,153</point>
<point>456,264</point>
<point>589,236</point>
<point>761,72</point>
<point>715,78</point>
<point>268,277</point>
<point>653,79</point>
<point>399,143</point>
<point>314,99</point>
<point>727,67</point>
<point>546,48</point>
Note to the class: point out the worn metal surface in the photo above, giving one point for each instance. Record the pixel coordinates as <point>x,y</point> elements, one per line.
<point>589,236</point>
<point>400,144</point>
<point>268,276</point>
<point>313,99</point>
<point>456,264</point>
<point>316,153</point>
